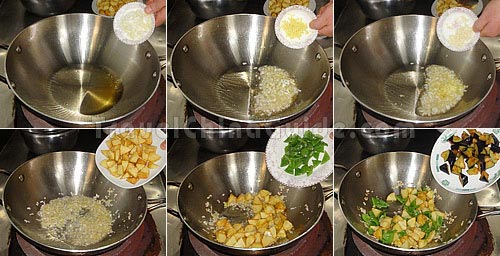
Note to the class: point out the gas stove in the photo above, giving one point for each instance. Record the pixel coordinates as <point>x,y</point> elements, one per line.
<point>485,234</point>
<point>144,242</point>
<point>152,233</point>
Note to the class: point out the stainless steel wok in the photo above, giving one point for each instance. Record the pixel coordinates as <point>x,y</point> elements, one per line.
<point>385,173</point>
<point>241,173</point>
<point>59,67</point>
<point>67,173</point>
<point>214,65</point>
<point>401,46</point>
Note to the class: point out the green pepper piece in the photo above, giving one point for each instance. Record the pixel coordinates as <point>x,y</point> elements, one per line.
<point>379,203</point>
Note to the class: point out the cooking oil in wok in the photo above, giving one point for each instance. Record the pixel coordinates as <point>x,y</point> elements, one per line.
<point>403,87</point>
<point>234,89</point>
<point>86,89</point>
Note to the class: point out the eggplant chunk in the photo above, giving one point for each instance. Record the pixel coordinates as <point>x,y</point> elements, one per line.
<point>473,152</point>
<point>484,176</point>
<point>456,170</point>
<point>472,132</point>
<point>495,148</point>
<point>460,162</point>
<point>495,140</point>
<point>445,154</point>
<point>473,171</point>
<point>465,135</point>
<point>463,179</point>
<point>451,158</point>
<point>444,168</point>
<point>489,164</point>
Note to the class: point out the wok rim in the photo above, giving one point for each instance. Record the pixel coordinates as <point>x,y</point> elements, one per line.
<point>245,251</point>
<point>53,248</point>
<point>251,121</point>
<point>390,248</point>
<point>433,122</point>
<point>69,122</point>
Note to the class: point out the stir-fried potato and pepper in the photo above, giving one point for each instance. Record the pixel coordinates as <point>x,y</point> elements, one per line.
<point>417,224</point>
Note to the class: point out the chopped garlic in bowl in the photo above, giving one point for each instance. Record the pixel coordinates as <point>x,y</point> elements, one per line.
<point>132,25</point>
<point>454,29</point>
<point>292,27</point>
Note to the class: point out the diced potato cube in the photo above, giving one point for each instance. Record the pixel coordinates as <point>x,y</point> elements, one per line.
<point>391,197</point>
<point>287,225</point>
<point>231,241</point>
<point>267,241</point>
<point>221,237</point>
<point>249,241</point>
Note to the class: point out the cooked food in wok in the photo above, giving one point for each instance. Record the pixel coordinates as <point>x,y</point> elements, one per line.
<point>76,220</point>
<point>417,223</point>
<point>443,89</point>
<point>275,92</point>
<point>475,152</point>
<point>267,223</point>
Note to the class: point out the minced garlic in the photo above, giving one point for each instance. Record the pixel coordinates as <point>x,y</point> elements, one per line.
<point>294,28</point>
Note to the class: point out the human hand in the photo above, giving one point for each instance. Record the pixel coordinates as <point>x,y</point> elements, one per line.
<point>489,21</point>
<point>157,7</point>
<point>324,20</point>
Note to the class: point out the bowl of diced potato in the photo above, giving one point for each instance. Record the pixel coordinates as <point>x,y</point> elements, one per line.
<point>108,8</point>
<point>130,158</point>
<point>274,7</point>
<point>440,6</point>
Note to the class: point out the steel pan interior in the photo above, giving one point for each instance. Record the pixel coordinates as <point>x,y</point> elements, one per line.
<point>234,46</point>
<point>86,41</point>
<point>406,44</point>
<point>66,173</point>
<point>237,173</point>
<point>382,174</point>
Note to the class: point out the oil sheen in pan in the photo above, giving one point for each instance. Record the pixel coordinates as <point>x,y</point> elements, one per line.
<point>402,88</point>
<point>240,90</point>
<point>234,90</point>
<point>96,89</point>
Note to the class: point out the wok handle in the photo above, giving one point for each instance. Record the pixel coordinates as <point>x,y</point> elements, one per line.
<point>4,172</point>
<point>497,63</point>
<point>157,201</point>
<point>173,213</point>
<point>170,79</point>
<point>163,58</point>
<point>157,206</point>
<point>335,75</point>
<point>328,192</point>
<point>341,167</point>
<point>335,194</point>
<point>2,78</point>
<point>488,211</point>
<point>4,47</point>
<point>170,210</point>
